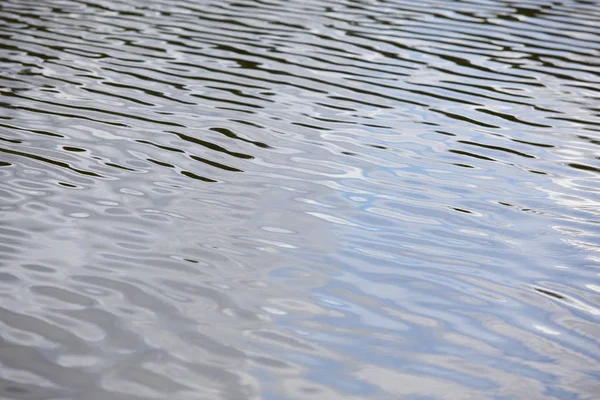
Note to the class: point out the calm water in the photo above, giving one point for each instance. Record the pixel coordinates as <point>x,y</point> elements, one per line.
<point>299,199</point>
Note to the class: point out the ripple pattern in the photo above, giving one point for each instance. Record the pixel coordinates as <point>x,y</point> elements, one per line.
<point>268,199</point>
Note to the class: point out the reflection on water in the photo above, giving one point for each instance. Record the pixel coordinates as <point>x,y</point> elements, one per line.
<point>357,199</point>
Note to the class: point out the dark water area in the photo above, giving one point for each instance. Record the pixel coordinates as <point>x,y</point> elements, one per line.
<point>317,199</point>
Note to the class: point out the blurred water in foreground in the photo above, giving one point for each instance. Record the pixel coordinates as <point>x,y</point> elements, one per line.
<point>299,200</point>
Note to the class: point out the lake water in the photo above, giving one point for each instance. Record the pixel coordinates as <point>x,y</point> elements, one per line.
<point>267,199</point>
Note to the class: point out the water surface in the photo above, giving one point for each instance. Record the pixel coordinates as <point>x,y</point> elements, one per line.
<point>299,199</point>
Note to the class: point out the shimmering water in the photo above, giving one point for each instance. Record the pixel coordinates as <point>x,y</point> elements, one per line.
<point>250,199</point>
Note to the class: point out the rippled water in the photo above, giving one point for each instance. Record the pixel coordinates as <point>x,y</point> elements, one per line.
<point>299,199</point>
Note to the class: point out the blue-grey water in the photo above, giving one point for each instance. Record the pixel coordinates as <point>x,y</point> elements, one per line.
<point>304,199</point>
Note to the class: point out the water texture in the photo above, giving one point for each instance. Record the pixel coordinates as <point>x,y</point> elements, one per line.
<point>250,199</point>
